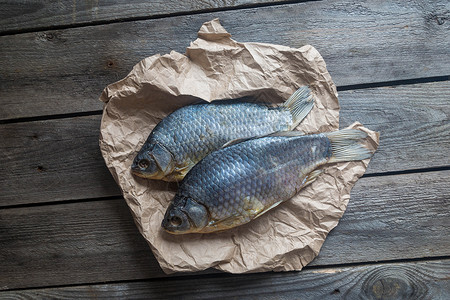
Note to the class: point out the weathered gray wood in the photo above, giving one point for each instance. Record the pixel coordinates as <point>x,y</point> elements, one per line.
<point>22,15</point>
<point>393,217</point>
<point>54,159</point>
<point>58,160</point>
<point>413,121</point>
<point>71,243</point>
<point>422,280</point>
<point>390,217</point>
<point>64,71</point>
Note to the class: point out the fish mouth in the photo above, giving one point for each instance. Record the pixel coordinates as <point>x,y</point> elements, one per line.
<point>175,232</point>
<point>155,176</point>
<point>173,177</point>
<point>180,232</point>
<point>136,171</point>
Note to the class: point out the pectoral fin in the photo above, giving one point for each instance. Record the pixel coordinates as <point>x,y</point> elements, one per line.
<point>257,208</point>
<point>267,209</point>
<point>310,178</point>
<point>180,171</point>
<point>226,223</point>
<point>252,209</point>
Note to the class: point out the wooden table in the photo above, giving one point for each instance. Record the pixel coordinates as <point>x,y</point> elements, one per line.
<point>65,230</point>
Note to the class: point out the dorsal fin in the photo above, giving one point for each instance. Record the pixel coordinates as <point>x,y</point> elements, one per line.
<point>287,133</point>
<point>278,133</point>
<point>299,104</point>
<point>236,141</point>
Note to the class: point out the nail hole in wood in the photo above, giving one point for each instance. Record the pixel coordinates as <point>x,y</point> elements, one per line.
<point>440,20</point>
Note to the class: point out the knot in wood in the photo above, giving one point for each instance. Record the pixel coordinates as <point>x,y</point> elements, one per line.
<point>393,282</point>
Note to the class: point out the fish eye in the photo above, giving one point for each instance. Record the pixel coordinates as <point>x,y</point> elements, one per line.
<point>175,221</point>
<point>144,163</point>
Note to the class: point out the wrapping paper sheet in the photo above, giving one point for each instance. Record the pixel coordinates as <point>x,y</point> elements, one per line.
<point>217,67</point>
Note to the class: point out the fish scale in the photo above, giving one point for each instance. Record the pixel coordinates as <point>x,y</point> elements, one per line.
<point>188,134</point>
<point>248,180</point>
<point>190,146</point>
<point>236,184</point>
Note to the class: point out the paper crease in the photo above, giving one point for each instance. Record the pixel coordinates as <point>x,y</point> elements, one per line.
<point>217,67</point>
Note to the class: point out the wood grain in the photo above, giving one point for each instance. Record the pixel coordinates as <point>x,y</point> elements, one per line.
<point>53,159</point>
<point>65,71</point>
<point>91,240</point>
<point>31,15</point>
<point>393,217</point>
<point>413,121</point>
<point>56,160</point>
<point>388,217</point>
<point>421,280</point>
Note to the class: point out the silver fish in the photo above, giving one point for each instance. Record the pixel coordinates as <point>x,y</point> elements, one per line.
<point>240,182</point>
<point>188,134</point>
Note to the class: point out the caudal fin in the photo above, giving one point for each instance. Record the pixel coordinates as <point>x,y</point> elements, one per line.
<point>299,104</point>
<point>345,145</point>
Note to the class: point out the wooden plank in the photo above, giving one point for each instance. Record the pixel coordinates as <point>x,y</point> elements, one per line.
<point>54,158</point>
<point>420,280</point>
<point>22,15</point>
<point>64,71</point>
<point>387,216</point>
<point>413,121</point>
<point>390,217</point>
<point>72,243</point>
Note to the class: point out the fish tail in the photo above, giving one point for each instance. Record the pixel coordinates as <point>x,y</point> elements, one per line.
<point>299,104</point>
<point>345,145</point>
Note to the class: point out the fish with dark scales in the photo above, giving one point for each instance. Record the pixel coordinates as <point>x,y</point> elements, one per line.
<point>188,134</point>
<point>243,180</point>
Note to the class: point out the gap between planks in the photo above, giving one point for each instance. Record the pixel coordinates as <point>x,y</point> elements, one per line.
<point>339,89</point>
<point>211,273</point>
<point>429,278</point>
<point>412,120</point>
<point>119,196</point>
<point>103,234</point>
<point>365,41</point>
<point>152,17</point>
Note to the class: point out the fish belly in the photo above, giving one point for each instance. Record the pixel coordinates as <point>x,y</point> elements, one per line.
<point>194,131</point>
<point>241,182</point>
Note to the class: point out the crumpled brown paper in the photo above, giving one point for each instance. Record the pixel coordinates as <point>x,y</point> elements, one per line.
<point>217,67</point>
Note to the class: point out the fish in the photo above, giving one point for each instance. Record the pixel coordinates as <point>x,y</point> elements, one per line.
<point>245,179</point>
<point>188,134</point>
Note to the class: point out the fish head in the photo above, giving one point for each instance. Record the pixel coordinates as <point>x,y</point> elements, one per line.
<point>153,161</point>
<point>185,215</point>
